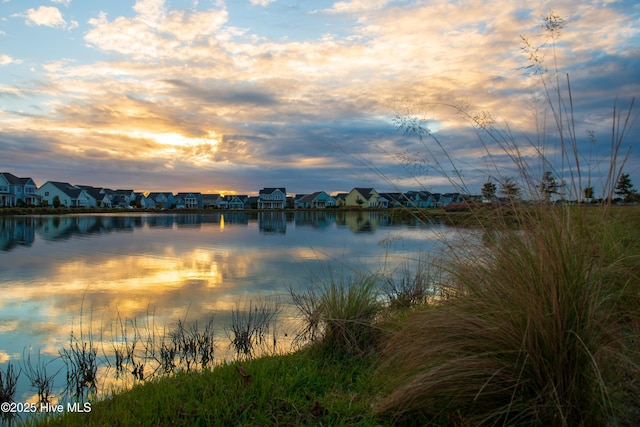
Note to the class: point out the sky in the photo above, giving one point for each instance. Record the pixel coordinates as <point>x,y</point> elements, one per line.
<point>230,96</point>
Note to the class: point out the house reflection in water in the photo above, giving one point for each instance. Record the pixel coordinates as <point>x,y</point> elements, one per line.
<point>360,221</point>
<point>23,230</point>
<point>16,232</point>
<point>315,219</point>
<point>272,222</point>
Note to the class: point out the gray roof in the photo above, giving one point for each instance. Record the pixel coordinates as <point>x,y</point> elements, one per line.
<point>309,197</point>
<point>366,192</point>
<point>68,189</point>
<point>269,190</point>
<point>14,180</point>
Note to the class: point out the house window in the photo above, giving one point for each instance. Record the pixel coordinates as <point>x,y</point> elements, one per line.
<point>46,193</point>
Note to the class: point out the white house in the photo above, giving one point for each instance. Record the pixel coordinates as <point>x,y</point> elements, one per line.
<point>272,198</point>
<point>102,196</point>
<point>68,195</point>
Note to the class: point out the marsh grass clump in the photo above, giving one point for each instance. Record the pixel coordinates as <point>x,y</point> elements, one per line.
<point>81,360</point>
<point>349,310</point>
<point>194,346</point>
<point>251,324</point>
<point>8,382</point>
<point>415,286</point>
<point>341,313</point>
<point>41,381</point>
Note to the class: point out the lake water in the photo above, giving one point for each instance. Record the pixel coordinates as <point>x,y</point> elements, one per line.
<point>94,276</point>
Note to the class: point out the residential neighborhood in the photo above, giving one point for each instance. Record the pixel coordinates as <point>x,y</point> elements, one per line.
<point>18,192</point>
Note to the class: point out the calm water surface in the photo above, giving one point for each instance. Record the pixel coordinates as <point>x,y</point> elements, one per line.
<point>90,274</point>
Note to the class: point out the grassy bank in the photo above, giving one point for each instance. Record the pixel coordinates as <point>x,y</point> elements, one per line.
<point>535,326</point>
<point>311,387</point>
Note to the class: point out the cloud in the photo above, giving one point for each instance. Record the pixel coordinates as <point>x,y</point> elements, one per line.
<point>155,34</point>
<point>222,93</point>
<point>262,2</point>
<point>6,60</point>
<point>355,6</point>
<point>48,16</point>
<point>62,2</point>
<point>238,103</point>
<point>149,11</point>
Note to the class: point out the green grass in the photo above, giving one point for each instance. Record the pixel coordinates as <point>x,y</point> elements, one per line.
<point>308,387</point>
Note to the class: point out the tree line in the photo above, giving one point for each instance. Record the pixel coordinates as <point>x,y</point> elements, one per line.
<point>508,187</point>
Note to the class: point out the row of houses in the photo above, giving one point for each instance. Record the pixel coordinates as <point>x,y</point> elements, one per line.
<point>16,191</point>
<point>370,198</point>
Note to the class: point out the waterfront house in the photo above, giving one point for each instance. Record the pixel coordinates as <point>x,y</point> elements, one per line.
<point>317,200</point>
<point>143,201</point>
<point>251,202</point>
<point>364,198</point>
<point>191,200</point>
<point>341,199</point>
<point>448,198</point>
<point>68,195</point>
<point>16,191</point>
<point>178,202</point>
<point>234,202</point>
<point>211,201</point>
<point>296,200</point>
<point>102,196</point>
<point>420,199</point>
<point>162,200</point>
<point>394,200</point>
<point>272,198</point>
<point>122,198</point>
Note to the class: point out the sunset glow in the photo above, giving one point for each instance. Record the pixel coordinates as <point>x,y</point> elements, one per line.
<point>191,95</point>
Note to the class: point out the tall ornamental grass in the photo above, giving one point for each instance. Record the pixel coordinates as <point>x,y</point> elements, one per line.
<point>544,325</point>
<point>544,332</point>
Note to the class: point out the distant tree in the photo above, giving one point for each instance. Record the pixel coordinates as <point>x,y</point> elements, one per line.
<point>548,185</point>
<point>509,188</point>
<point>56,201</point>
<point>624,188</point>
<point>588,194</point>
<point>489,190</point>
